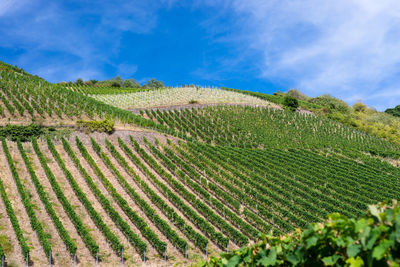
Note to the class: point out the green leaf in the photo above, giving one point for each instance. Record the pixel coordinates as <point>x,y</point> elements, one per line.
<point>312,241</point>
<point>380,250</point>
<point>353,250</point>
<point>364,235</point>
<point>361,224</point>
<point>234,261</point>
<point>269,260</point>
<point>331,260</point>
<point>293,259</point>
<point>355,262</point>
<point>374,211</point>
<point>374,235</point>
<point>397,229</point>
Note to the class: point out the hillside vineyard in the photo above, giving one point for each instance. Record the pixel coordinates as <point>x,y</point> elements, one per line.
<point>179,184</point>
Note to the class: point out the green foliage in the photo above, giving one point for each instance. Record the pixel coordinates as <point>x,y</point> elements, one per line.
<point>69,243</point>
<point>14,222</point>
<point>103,126</point>
<point>115,84</point>
<point>161,224</point>
<point>79,81</point>
<point>331,103</point>
<point>36,225</point>
<point>199,240</point>
<point>133,238</point>
<point>141,224</point>
<point>262,128</point>
<point>290,102</point>
<point>359,107</point>
<point>21,132</point>
<point>130,83</point>
<point>394,111</point>
<point>373,240</point>
<point>155,84</point>
<point>202,224</point>
<point>111,238</point>
<point>68,208</point>
<point>297,94</point>
<point>104,90</point>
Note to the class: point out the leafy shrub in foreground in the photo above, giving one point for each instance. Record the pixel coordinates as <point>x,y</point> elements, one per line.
<point>373,240</point>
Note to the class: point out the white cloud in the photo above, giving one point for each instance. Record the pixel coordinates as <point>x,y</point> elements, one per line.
<point>348,48</point>
<point>51,36</point>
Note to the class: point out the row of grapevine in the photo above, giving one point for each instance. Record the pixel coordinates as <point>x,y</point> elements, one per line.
<point>111,238</point>
<point>69,210</point>
<point>150,213</point>
<point>40,98</point>
<point>176,96</point>
<point>270,194</point>
<point>36,225</point>
<point>362,188</point>
<point>203,166</point>
<point>161,224</point>
<point>263,187</point>
<point>235,220</point>
<point>136,242</point>
<point>69,243</point>
<point>228,230</point>
<point>102,90</point>
<point>306,175</point>
<point>248,197</point>
<point>202,224</point>
<point>153,239</point>
<point>198,239</point>
<point>14,221</point>
<point>256,127</point>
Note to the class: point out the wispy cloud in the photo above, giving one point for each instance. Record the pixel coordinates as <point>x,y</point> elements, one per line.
<point>72,36</point>
<point>348,48</point>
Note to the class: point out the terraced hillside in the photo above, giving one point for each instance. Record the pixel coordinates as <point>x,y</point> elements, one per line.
<point>180,185</point>
<point>101,90</point>
<point>177,96</point>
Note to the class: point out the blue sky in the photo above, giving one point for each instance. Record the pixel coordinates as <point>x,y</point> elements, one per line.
<point>347,48</point>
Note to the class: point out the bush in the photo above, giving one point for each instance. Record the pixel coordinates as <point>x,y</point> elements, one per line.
<point>21,132</point>
<point>115,84</point>
<point>104,126</point>
<point>290,102</point>
<point>192,101</point>
<point>331,102</point>
<point>373,240</point>
<point>394,111</point>
<point>297,94</point>
<point>359,107</point>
